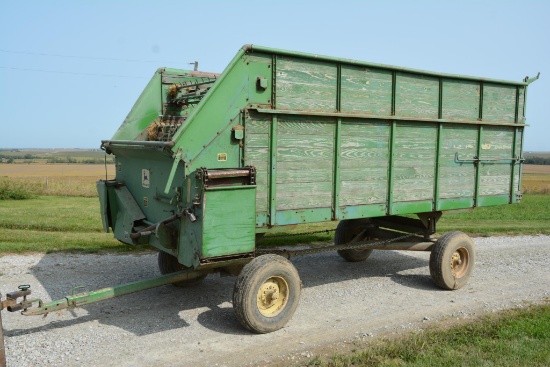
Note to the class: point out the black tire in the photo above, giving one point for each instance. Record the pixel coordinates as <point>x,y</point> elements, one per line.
<point>266,293</point>
<point>452,260</point>
<point>345,232</point>
<point>169,264</point>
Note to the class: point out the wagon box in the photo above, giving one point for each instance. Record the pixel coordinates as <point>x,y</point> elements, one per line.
<point>208,163</point>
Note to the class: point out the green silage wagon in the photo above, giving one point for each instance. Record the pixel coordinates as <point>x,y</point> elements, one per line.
<point>206,164</point>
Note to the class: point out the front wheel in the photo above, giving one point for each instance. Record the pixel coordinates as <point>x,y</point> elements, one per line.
<point>452,260</point>
<point>266,293</point>
<point>169,264</point>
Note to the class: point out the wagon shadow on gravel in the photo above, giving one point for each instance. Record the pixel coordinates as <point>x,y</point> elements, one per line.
<point>209,303</point>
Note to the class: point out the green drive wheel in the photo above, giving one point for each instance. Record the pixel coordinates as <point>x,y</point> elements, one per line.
<point>266,293</point>
<point>452,260</point>
<point>169,264</point>
<point>345,232</point>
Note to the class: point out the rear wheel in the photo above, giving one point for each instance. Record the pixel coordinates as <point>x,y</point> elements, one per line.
<point>266,293</point>
<point>452,260</point>
<point>346,231</point>
<point>169,264</point>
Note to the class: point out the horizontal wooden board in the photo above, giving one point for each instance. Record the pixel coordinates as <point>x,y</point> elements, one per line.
<point>366,90</point>
<point>460,100</point>
<point>496,143</point>
<point>304,84</point>
<point>416,96</point>
<point>304,195</point>
<point>414,161</point>
<point>364,160</point>
<point>457,179</point>
<point>499,102</point>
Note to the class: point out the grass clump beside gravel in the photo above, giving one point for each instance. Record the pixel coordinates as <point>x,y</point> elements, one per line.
<point>518,337</point>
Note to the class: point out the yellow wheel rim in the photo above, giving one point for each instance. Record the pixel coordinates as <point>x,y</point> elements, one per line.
<point>272,296</point>
<point>460,261</point>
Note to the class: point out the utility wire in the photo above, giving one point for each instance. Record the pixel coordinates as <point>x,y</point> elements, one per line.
<point>74,73</point>
<point>87,57</point>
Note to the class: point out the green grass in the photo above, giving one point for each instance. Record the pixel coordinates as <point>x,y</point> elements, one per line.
<point>518,337</point>
<point>529,217</point>
<point>11,190</point>
<point>59,223</point>
<point>55,223</point>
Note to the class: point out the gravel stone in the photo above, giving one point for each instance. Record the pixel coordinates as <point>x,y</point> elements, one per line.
<point>342,303</point>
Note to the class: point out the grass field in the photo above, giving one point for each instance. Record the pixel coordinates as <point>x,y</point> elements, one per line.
<point>57,179</point>
<point>80,179</point>
<point>54,223</point>
<point>518,337</point>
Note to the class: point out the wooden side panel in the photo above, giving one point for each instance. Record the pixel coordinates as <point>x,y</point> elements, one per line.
<point>256,153</point>
<point>499,103</point>
<point>460,100</point>
<point>303,84</point>
<point>416,96</point>
<point>414,161</point>
<point>366,90</point>
<point>364,160</point>
<point>305,154</point>
<point>457,180</point>
<point>496,143</point>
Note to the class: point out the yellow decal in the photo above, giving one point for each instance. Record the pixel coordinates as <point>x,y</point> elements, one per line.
<point>222,157</point>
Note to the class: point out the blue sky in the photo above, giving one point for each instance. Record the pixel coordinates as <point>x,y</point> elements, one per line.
<point>70,71</point>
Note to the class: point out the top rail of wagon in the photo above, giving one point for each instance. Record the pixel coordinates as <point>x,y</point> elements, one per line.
<point>255,48</point>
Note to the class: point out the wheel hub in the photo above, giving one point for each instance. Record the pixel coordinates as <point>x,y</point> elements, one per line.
<point>272,296</point>
<point>459,262</point>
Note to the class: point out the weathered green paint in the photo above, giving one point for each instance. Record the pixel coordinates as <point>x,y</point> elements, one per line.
<point>228,221</point>
<point>329,138</point>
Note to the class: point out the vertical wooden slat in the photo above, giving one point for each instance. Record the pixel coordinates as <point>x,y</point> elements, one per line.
<point>516,115</point>
<point>436,175</point>
<point>478,165</point>
<point>440,106</point>
<point>513,168</point>
<point>480,118</point>
<point>393,91</point>
<point>338,87</point>
<point>390,168</point>
<point>274,81</point>
<point>273,170</point>
<point>336,170</point>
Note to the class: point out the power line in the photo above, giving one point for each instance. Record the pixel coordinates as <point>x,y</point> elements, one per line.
<point>88,57</point>
<point>74,73</point>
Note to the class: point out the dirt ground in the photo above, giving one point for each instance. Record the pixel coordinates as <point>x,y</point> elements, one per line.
<point>343,305</point>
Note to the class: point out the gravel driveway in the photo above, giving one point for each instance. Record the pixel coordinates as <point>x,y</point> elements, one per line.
<point>342,303</point>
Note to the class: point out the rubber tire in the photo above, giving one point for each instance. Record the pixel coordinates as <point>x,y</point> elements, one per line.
<point>345,232</point>
<point>441,257</point>
<point>169,264</point>
<point>248,283</point>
